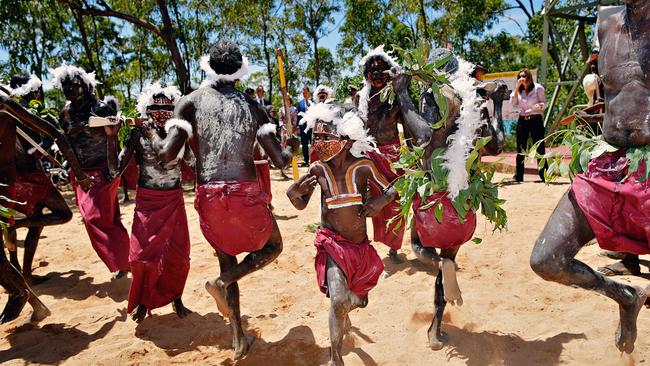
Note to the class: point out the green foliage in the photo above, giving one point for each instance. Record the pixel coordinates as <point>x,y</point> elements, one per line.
<point>6,214</point>
<point>503,52</point>
<point>415,63</point>
<point>481,191</point>
<point>585,145</point>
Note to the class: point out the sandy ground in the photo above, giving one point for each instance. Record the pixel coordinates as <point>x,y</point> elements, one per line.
<point>510,316</point>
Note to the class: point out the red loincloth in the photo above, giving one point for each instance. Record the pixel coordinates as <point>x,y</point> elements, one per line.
<point>388,154</point>
<point>450,233</point>
<point>234,216</point>
<point>618,213</point>
<point>160,248</point>
<point>359,261</point>
<point>263,171</point>
<point>101,216</point>
<point>131,175</point>
<point>31,189</point>
<point>187,174</point>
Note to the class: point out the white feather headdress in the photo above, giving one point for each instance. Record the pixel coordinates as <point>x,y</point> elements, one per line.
<point>212,77</point>
<point>364,93</point>
<point>325,89</point>
<point>32,85</point>
<point>66,71</point>
<point>469,122</point>
<point>348,125</point>
<point>110,99</point>
<point>145,99</point>
<point>379,51</point>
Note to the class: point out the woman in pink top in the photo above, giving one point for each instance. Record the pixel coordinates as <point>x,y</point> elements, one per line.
<point>530,98</point>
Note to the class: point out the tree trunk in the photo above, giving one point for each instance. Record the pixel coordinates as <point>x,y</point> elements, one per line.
<point>425,26</point>
<point>182,74</point>
<point>314,38</point>
<point>84,41</point>
<point>267,56</point>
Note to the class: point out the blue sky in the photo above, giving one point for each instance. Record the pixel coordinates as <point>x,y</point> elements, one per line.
<point>507,23</point>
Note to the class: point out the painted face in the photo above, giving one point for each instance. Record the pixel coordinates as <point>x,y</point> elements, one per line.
<point>377,74</point>
<point>74,88</point>
<point>322,96</point>
<point>327,144</point>
<point>161,110</point>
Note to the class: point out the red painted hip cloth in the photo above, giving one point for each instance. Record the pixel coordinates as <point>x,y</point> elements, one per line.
<point>388,154</point>
<point>160,248</point>
<point>131,175</point>
<point>235,217</point>
<point>263,171</point>
<point>187,174</point>
<point>30,189</point>
<point>451,232</point>
<point>618,213</point>
<point>359,261</point>
<point>101,216</point>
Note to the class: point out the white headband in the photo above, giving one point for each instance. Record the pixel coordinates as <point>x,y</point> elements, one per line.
<point>212,77</point>
<point>32,85</point>
<point>145,99</point>
<point>66,71</point>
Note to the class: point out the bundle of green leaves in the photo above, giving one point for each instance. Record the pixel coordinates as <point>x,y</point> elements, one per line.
<point>584,145</point>
<point>481,192</point>
<point>6,214</point>
<point>415,63</point>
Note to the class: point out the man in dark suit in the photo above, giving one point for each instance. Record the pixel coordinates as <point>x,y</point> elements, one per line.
<point>259,96</point>
<point>305,137</point>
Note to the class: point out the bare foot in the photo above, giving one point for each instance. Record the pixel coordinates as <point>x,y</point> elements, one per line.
<point>15,305</point>
<point>437,342</point>
<point>180,309</point>
<point>392,254</point>
<point>626,332</point>
<point>120,274</point>
<point>620,269</point>
<point>40,310</point>
<point>450,282</point>
<point>139,314</point>
<point>219,294</point>
<point>243,347</point>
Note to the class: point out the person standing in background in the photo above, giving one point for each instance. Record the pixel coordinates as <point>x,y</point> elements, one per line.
<point>305,137</point>
<point>529,97</point>
<point>259,96</point>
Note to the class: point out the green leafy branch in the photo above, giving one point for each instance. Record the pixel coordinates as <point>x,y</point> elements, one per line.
<point>415,63</point>
<point>584,145</point>
<point>481,192</point>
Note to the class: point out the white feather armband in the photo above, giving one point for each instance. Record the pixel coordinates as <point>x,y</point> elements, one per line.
<point>180,124</point>
<point>266,129</point>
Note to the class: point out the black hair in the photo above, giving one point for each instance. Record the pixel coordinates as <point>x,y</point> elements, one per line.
<point>225,57</point>
<point>372,59</point>
<point>19,80</point>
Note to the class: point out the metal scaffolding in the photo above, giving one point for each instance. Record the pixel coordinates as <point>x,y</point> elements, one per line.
<point>573,65</point>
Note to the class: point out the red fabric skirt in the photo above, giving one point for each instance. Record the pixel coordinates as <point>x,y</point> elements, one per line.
<point>618,213</point>
<point>101,216</point>
<point>160,248</point>
<point>382,233</point>
<point>450,233</point>
<point>131,175</point>
<point>30,189</point>
<point>263,171</point>
<point>234,216</point>
<point>359,261</point>
<point>187,174</point>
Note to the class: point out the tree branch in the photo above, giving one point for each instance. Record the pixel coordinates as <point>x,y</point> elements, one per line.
<point>523,7</point>
<point>108,12</point>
